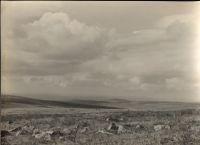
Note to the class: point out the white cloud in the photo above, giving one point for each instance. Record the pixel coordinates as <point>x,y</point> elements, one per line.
<point>55,34</point>
<point>169,20</point>
<point>55,49</point>
<point>55,43</point>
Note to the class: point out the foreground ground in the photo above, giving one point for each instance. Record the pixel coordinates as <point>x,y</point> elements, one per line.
<point>65,126</point>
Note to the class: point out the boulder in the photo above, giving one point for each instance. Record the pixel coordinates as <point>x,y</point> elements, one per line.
<point>40,135</point>
<point>104,132</point>
<point>49,132</point>
<point>139,126</point>
<point>120,129</point>
<point>47,137</point>
<point>158,127</point>
<point>116,128</point>
<point>112,126</point>
<point>15,129</point>
<point>36,131</point>
<point>167,127</point>
<point>57,133</point>
<point>5,133</point>
<point>85,129</point>
<point>18,133</point>
<point>66,131</point>
<point>26,130</point>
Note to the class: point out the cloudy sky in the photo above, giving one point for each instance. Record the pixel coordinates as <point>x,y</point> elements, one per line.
<point>128,50</point>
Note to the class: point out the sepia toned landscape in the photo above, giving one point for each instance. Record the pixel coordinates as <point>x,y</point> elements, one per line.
<point>100,73</point>
<point>112,122</point>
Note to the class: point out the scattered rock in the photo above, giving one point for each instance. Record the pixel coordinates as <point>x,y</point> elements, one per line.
<point>116,128</point>
<point>85,129</point>
<point>115,118</point>
<point>40,135</point>
<point>49,132</point>
<point>158,127</point>
<point>15,129</point>
<point>66,131</point>
<point>22,130</point>
<point>84,124</point>
<point>61,138</point>
<point>112,126</point>
<point>120,129</point>
<point>175,138</point>
<point>36,131</point>
<point>104,132</point>
<point>25,130</point>
<point>167,127</point>
<point>18,133</point>
<point>47,137</point>
<point>5,133</point>
<point>195,128</point>
<point>29,127</point>
<point>139,126</point>
<point>57,133</point>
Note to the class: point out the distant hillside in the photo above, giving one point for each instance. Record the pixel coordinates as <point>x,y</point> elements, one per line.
<point>9,101</point>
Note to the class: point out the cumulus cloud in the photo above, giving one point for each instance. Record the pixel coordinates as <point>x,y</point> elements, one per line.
<point>56,49</point>
<point>55,33</point>
<point>55,43</point>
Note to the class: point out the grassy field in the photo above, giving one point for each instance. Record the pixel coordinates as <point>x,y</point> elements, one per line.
<point>54,125</point>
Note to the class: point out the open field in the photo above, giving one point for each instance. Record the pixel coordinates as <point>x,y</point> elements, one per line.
<point>140,124</point>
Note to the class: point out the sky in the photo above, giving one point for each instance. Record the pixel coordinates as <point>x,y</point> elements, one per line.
<point>129,50</point>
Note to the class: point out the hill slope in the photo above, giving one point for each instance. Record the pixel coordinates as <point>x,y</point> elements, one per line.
<point>9,101</point>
